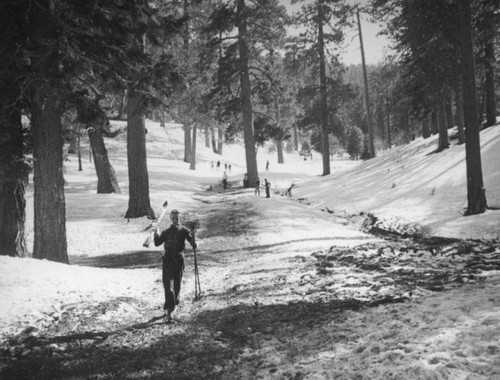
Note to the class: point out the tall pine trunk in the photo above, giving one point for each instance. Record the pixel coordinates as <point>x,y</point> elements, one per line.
<point>325,148</point>
<point>295,137</point>
<point>13,172</point>
<point>49,203</point>
<point>371,144</point>
<point>489,83</point>
<point>279,149</point>
<point>192,166</point>
<point>443,142</point>
<point>106,176</point>
<point>220,139</point>
<point>187,141</point>
<point>246,101</point>
<point>207,136</point>
<point>389,129</point>
<point>139,203</point>
<point>476,193</point>
<point>459,104</point>
<point>427,126</point>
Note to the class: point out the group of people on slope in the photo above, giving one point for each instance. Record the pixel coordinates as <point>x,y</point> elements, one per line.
<point>218,165</point>
<point>267,184</point>
<point>267,187</point>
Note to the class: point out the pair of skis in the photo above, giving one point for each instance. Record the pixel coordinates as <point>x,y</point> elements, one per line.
<point>157,221</point>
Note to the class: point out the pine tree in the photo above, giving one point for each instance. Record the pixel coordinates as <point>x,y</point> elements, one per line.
<point>240,26</point>
<point>316,17</point>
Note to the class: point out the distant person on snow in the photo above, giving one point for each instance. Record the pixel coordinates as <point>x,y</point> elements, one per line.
<point>245,181</point>
<point>267,185</point>
<point>267,166</point>
<point>257,186</point>
<point>173,239</point>
<point>218,165</point>
<point>224,180</point>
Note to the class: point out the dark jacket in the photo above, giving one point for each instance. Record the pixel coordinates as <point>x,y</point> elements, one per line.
<point>174,239</point>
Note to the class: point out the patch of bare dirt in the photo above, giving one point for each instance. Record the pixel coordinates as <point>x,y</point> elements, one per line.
<point>265,312</point>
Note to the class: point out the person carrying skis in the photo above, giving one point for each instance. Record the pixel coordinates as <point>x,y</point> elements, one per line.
<point>173,239</point>
<point>267,185</point>
<point>257,186</point>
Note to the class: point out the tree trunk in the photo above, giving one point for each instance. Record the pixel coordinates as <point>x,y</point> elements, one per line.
<point>187,142</point>
<point>371,144</point>
<point>72,139</point>
<point>434,121</point>
<point>49,203</point>
<point>106,176</point>
<point>79,150</point>
<point>279,149</point>
<point>207,136</point>
<point>246,101</point>
<point>13,172</point>
<point>192,166</point>
<point>220,139</point>
<point>295,137</point>
<point>476,193</point>
<point>426,126</point>
<point>459,104</point>
<point>214,140</point>
<point>449,111</point>
<point>139,203</point>
<point>489,83</point>
<point>123,104</point>
<point>325,141</point>
<point>443,142</point>
<point>389,129</point>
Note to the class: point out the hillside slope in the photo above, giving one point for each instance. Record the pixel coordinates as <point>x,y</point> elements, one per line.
<point>414,183</point>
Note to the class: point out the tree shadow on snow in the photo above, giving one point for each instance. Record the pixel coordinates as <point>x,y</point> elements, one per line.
<point>133,259</point>
<point>208,346</point>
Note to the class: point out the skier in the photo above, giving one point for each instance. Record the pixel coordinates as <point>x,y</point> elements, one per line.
<point>173,239</point>
<point>257,186</point>
<point>267,185</point>
<point>267,166</point>
<point>224,180</point>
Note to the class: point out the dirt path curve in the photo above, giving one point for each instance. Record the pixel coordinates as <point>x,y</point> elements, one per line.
<point>253,261</point>
<point>275,307</point>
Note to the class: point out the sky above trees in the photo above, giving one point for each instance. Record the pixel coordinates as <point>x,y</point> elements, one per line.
<point>375,46</point>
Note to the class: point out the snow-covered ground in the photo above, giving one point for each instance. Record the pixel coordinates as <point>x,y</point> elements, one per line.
<point>409,183</point>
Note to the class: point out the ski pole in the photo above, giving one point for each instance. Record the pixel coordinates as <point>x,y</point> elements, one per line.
<point>197,285</point>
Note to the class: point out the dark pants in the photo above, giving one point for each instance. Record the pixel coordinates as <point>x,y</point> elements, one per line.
<point>173,268</point>
<point>224,183</point>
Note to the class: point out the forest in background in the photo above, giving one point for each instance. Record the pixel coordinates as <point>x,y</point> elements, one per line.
<point>230,69</point>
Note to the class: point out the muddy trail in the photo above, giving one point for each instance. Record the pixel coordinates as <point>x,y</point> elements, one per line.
<point>270,308</point>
